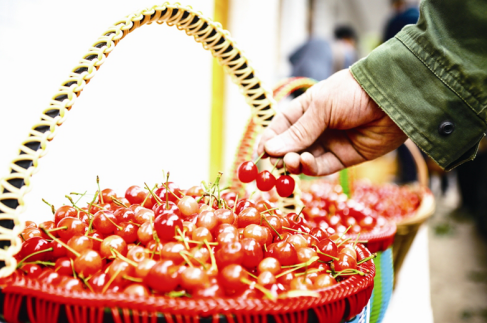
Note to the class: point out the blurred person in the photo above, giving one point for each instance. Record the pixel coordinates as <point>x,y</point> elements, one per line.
<point>427,83</point>
<point>319,58</point>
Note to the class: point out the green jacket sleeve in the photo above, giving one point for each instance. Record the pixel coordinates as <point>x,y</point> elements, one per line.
<point>431,79</point>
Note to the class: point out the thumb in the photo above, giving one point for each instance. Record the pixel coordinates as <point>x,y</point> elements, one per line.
<point>302,134</point>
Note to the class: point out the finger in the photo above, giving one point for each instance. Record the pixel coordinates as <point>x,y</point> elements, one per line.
<point>299,136</point>
<point>293,163</point>
<point>284,119</point>
<point>326,164</point>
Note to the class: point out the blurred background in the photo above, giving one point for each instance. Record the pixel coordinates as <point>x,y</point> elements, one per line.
<point>154,106</point>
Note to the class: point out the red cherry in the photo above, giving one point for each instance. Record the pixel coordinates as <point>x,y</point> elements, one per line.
<point>253,253</point>
<point>284,252</point>
<point>122,268</point>
<point>213,291</point>
<point>143,215</point>
<point>328,247</point>
<point>207,219</point>
<point>243,204</point>
<point>285,185</point>
<point>323,281</point>
<point>32,270</point>
<point>49,277</point>
<point>248,216</point>
<point>58,250</point>
<point>265,181</point>
<point>127,231</point>
<point>170,206</point>
<point>65,211</point>
<point>88,263</point>
<point>194,278</point>
<point>71,284</point>
<point>171,251</point>
<point>144,267</point>
<point>344,262</point>
<point>105,222</point>
<point>166,225</point>
<point>225,216</point>
<point>269,264</point>
<point>113,242</point>
<point>163,276</point>
<point>32,232</point>
<point>188,206</point>
<point>135,194</point>
<point>73,226</point>
<point>137,290</point>
<point>257,232</point>
<point>231,277</point>
<point>145,233</point>
<point>124,215</point>
<point>231,253</point>
<point>63,266</point>
<point>79,244</point>
<point>35,244</point>
<point>247,172</point>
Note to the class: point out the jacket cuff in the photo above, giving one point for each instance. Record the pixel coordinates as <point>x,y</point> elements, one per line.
<point>420,103</point>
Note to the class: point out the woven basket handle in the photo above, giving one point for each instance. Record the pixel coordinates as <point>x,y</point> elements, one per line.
<point>15,185</point>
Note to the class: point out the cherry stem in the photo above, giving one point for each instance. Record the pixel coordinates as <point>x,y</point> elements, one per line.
<point>167,195</point>
<point>133,279</point>
<point>92,216</point>
<point>264,290</point>
<point>154,233</point>
<point>235,204</point>
<point>116,225</point>
<point>72,267</point>
<point>186,259</point>
<point>270,210</point>
<point>346,240</point>
<point>348,272</point>
<point>344,232</point>
<point>290,229</point>
<point>117,202</point>
<point>259,158</point>
<point>94,238</point>
<point>52,206</point>
<point>60,242</point>
<point>212,256</point>
<point>120,256</point>
<point>145,199</point>
<point>111,280</point>
<point>250,274</point>
<point>284,164</point>
<point>367,259</point>
<point>22,236</point>
<point>193,257</point>
<point>265,219</point>
<point>58,229</point>
<point>168,189</point>
<point>85,281</point>
<point>175,294</point>
<point>275,165</point>
<point>299,266</point>
<point>33,254</point>
<point>81,196</point>
<point>322,253</point>
<point>99,190</point>
<point>356,240</point>
<point>183,237</point>
<point>158,200</point>
<point>312,271</point>
<point>197,242</point>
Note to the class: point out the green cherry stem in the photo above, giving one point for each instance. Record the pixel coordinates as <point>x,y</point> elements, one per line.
<point>299,266</point>
<point>33,254</point>
<point>99,190</point>
<point>265,219</point>
<point>367,259</point>
<point>120,256</point>
<point>261,288</point>
<point>158,200</point>
<point>60,242</point>
<point>53,210</point>
<point>72,267</point>
<point>133,279</point>
<point>111,280</point>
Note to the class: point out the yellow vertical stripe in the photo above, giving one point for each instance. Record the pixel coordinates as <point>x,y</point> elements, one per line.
<point>218,101</point>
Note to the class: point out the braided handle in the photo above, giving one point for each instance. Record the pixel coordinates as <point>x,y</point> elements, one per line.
<point>15,185</point>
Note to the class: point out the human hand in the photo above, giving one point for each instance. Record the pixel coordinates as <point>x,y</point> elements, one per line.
<point>333,125</point>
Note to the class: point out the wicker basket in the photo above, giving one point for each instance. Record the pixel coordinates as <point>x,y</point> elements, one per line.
<point>28,300</point>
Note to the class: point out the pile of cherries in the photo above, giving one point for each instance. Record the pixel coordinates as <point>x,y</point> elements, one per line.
<point>198,243</point>
<point>368,209</point>
<point>247,173</point>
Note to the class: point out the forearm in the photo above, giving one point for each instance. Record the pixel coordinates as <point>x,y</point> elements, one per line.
<point>433,73</point>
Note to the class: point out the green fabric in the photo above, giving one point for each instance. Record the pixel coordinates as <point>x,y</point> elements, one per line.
<point>432,72</point>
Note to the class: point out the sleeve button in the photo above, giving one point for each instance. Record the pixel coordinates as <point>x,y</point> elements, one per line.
<point>446,128</point>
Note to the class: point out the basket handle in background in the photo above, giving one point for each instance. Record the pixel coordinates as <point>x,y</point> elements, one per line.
<point>421,168</point>
<point>15,185</point>
<point>246,146</point>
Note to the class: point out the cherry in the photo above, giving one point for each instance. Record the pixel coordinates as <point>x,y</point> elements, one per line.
<point>137,254</point>
<point>50,277</point>
<point>213,291</point>
<point>124,215</point>
<point>144,267</point>
<point>163,276</point>
<point>96,237</point>
<point>88,263</point>
<point>318,234</point>
<point>48,225</point>
<point>285,185</point>
<point>194,278</point>
<point>202,234</point>
<point>188,206</point>
<point>230,253</point>
<point>135,194</point>
<point>63,266</point>
<point>349,250</point>
<point>231,277</point>
<point>263,205</point>
<point>98,281</point>
<point>323,281</point>
<point>79,244</point>
<point>298,241</point>
<point>247,172</point>
<point>105,222</point>
<point>166,225</point>
<point>266,278</point>
<point>31,232</point>
<point>169,207</point>
<point>143,215</point>
<point>269,264</point>
<point>71,284</point>
<point>286,279</point>
<point>225,227</point>
<point>265,181</point>
<point>301,283</point>
<point>195,191</point>
<point>31,270</point>
<point>199,255</point>
<point>35,244</point>
<point>327,250</point>
<point>145,233</point>
<point>207,219</point>
<point>225,216</point>
<point>118,269</point>
<point>106,195</point>
<point>73,226</point>
<point>30,224</point>
<point>248,216</point>
<point>284,252</point>
<point>345,262</point>
<point>226,237</point>
<point>127,231</point>
<point>256,232</point>
<point>161,193</point>
<point>154,249</point>
<point>113,242</point>
<point>136,289</point>
<point>252,251</point>
<point>273,223</point>
<point>305,254</point>
<point>58,250</point>
<point>243,204</point>
<point>63,212</point>
<point>188,228</point>
<point>172,251</point>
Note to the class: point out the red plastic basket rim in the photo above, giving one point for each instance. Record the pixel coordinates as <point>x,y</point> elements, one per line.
<point>385,236</point>
<point>204,306</point>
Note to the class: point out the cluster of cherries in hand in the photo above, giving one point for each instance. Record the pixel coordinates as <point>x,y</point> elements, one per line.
<point>198,243</point>
<point>247,172</point>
